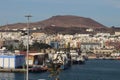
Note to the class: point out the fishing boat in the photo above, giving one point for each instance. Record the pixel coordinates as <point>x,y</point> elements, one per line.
<point>76,58</point>
<point>60,57</point>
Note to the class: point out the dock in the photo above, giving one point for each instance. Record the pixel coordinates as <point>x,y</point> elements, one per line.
<point>12,70</point>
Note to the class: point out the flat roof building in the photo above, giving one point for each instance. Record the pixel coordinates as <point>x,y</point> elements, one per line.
<point>12,61</point>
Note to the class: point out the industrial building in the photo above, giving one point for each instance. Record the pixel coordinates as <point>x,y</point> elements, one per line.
<point>12,61</point>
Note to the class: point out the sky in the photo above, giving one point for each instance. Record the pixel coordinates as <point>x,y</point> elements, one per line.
<point>106,12</point>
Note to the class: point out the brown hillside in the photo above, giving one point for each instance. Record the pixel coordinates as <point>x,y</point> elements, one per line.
<point>66,24</point>
<point>71,21</point>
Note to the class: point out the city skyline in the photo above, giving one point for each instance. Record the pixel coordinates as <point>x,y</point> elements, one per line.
<point>104,11</point>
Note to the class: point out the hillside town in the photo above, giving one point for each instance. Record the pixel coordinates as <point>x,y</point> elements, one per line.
<point>97,46</point>
<point>86,42</point>
<point>60,40</point>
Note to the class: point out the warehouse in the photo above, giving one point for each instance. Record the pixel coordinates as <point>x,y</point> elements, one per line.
<point>12,61</point>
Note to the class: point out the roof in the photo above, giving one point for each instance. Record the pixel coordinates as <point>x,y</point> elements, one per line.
<point>34,54</point>
<point>90,43</point>
<point>10,56</point>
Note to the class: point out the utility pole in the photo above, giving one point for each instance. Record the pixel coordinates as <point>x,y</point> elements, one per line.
<point>28,17</point>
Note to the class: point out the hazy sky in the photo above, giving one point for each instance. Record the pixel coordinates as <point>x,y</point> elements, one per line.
<point>106,12</point>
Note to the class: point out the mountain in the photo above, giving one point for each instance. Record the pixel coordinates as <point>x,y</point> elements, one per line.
<point>60,23</point>
<point>72,21</point>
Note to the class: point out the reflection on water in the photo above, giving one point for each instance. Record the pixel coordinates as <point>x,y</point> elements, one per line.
<point>7,76</point>
<point>12,76</point>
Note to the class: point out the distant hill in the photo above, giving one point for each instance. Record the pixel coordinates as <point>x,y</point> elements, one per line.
<point>60,24</point>
<point>71,21</point>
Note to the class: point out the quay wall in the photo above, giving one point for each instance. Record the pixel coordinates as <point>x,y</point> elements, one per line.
<point>12,70</point>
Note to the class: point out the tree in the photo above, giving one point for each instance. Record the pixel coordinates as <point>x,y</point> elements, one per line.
<point>21,47</point>
<point>10,47</point>
<point>38,46</point>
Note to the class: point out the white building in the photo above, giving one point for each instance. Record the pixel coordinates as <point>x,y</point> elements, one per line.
<point>12,61</point>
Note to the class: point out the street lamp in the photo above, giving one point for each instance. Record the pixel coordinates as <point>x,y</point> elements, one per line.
<point>28,17</point>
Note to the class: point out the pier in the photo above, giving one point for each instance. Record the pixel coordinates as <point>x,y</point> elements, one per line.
<point>12,70</point>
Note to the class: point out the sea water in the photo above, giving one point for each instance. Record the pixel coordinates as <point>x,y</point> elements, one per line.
<point>91,70</point>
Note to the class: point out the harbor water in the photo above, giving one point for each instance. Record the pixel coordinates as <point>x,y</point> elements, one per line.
<point>91,70</point>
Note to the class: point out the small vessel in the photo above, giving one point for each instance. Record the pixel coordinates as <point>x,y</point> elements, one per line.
<point>38,68</point>
<point>76,58</point>
<point>60,57</point>
<point>80,60</point>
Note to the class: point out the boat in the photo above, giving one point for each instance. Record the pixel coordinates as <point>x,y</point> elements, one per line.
<point>76,58</point>
<point>60,57</point>
<point>38,68</point>
<point>80,60</point>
